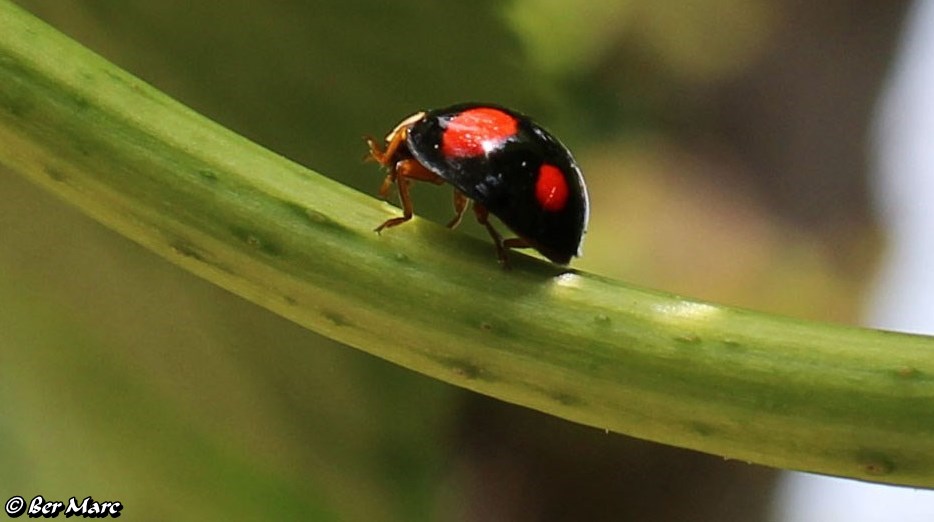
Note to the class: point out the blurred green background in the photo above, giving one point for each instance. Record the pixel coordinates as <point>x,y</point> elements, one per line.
<point>724,146</point>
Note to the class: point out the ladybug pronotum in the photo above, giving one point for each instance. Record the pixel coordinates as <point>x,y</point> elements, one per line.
<point>501,161</point>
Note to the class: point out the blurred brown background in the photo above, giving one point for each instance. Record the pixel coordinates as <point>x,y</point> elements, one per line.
<point>725,147</point>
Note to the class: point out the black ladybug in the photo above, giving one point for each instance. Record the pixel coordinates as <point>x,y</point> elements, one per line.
<point>503,162</point>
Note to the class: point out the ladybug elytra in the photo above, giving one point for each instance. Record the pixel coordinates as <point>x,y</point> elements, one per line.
<point>500,160</point>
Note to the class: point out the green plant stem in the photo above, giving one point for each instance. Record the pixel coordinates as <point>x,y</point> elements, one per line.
<point>770,390</point>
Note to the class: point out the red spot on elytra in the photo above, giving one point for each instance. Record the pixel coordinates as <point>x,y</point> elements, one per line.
<point>475,132</point>
<point>551,189</point>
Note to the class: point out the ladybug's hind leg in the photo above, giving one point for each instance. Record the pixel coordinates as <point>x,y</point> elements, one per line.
<point>516,242</point>
<point>502,245</point>
<point>401,173</point>
<point>483,217</point>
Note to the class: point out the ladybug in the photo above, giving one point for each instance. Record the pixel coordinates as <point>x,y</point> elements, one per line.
<point>500,160</point>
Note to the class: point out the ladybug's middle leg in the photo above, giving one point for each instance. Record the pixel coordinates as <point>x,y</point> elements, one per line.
<point>402,172</point>
<point>461,202</point>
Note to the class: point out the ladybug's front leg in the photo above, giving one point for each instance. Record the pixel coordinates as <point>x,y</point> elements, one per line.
<point>402,172</point>
<point>406,207</point>
<point>393,142</point>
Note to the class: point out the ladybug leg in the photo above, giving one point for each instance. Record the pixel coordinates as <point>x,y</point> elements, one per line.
<point>516,242</point>
<point>387,184</point>
<point>384,157</point>
<point>373,146</point>
<point>376,151</point>
<point>461,202</point>
<point>401,174</point>
<point>412,169</point>
<point>502,245</point>
<point>483,216</point>
<point>403,185</point>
